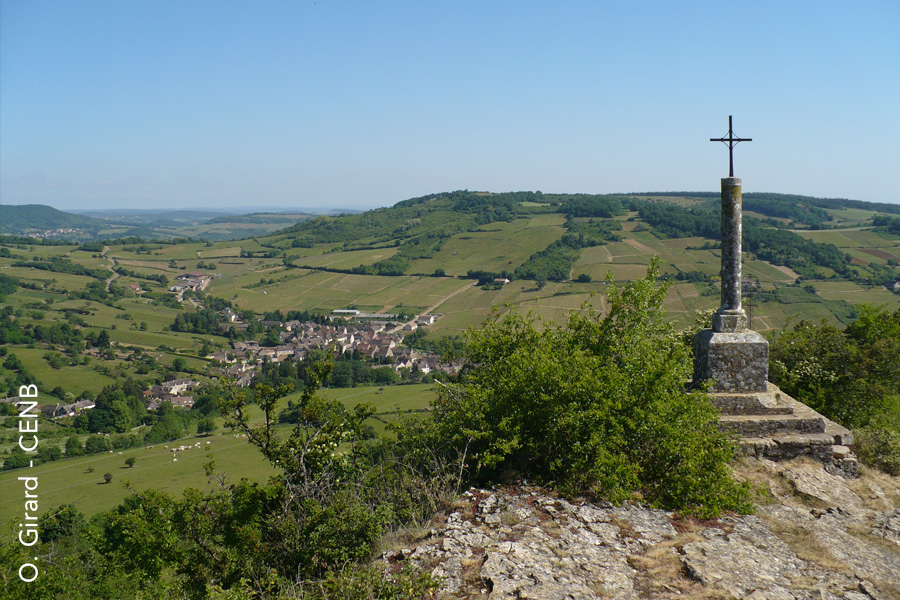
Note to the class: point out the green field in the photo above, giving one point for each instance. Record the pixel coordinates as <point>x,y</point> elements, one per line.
<point>67,480</point>
<point>348,260</point>
<point>495,247</point>
<point>72,379</point>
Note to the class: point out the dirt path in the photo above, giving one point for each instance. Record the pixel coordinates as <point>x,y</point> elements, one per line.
<point>112,268</point>
<point>786,270</point>
<point>432,308</point>
<point>639,246</point>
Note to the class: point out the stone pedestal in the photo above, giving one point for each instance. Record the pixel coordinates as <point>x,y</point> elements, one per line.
<point>735,361</point>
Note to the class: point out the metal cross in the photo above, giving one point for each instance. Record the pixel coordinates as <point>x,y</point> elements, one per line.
<point>730,141</point>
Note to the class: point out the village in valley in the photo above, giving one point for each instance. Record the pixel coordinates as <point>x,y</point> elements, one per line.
<point>365,335</point>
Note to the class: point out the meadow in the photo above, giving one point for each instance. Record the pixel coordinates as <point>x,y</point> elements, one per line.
<point>80,480</point>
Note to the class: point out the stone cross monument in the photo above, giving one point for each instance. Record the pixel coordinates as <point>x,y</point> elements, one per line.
<point>733,357</point>
<point>735,362</point>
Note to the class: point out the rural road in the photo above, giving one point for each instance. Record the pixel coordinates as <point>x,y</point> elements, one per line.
<point>431,309</point>
<point>111,266</point>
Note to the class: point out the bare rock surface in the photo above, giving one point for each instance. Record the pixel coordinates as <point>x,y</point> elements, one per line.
<point>817,537</point>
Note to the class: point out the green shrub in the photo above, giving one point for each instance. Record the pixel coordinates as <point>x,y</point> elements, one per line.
<point>879,448</point>
<point>850,375</point>
<point>595,406</point>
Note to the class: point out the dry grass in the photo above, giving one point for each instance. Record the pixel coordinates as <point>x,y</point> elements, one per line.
<point>660,573</point>
<point>509,519</point>
<point>768,488</point>
<point>626,528</point>
<point>406,537</point>
<point>804,543</point>
<point>878,491</point>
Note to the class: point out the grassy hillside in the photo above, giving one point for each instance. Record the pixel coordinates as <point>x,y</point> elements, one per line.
<point>80,480</point>
<point>25,218</point>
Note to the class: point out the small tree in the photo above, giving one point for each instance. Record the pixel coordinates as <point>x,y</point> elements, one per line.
<point>107,477</point>
<point>206,426</point>
<point>74,447</point>
<point>130,461</point>
<point>595,406</point>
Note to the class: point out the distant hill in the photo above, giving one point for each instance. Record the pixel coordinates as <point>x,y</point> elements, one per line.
<point>25,218</point>
<point>259,218</point>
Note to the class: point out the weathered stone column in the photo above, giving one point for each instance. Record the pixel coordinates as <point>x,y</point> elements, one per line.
<point>730,316</point>
<point>734,358</point>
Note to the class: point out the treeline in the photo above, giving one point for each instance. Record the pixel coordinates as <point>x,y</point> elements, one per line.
<point>58,264</point>
<point>889,224</point>
<point>778,246</point>
<point>21,240</point>
<point>591,206</point>
<point>485,277</point>
<point>118,410</point>
<point>161,279</point>
<point>259,218</point>
<point>556,261</point>
<point>809,201</point>
<point>350,369</point>
<point>782,247</point>
<point>204,321</point>
<point>16,332</point>
<point>96,291</point>
<point>8,285</point>
<point>13,375</point>
<point>295,315</point>
<point>786,207</point>
<point>467,201</point>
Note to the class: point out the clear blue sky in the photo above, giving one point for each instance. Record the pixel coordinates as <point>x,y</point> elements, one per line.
<point>362,104</point>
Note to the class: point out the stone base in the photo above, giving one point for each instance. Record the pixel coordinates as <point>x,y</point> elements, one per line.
<point>775,426</point>
<point>734,361</point>
<point>729,321</point>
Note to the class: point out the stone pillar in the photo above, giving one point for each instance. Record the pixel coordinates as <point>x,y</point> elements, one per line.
<point>734,358</point>
<point>730,316</point>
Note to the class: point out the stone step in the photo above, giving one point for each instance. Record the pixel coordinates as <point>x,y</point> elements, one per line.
<point>837,458</point>
<point>771,402</point>
<point>842,435</point>
<point>771,425</point>
<point>786,445</point>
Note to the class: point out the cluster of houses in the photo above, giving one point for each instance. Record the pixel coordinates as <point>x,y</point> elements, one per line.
<point>194,281</point>
<point>66,410</point>
<point>168,391</point>
<point>59,231</point>
<point>371,340</point>
<point>171,391</point>
<point>58,409</point>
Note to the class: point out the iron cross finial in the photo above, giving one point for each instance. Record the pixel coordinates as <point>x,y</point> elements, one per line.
<point>730,141</point>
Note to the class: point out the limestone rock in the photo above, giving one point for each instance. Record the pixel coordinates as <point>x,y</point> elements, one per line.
<point>820,540</point>
<point>749,560</point>
<point>830,490</point>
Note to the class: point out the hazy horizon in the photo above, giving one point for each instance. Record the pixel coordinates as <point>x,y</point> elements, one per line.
<point>244,209</point>
<point>357,105</point>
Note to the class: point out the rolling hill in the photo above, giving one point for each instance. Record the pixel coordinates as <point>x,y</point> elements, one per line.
<point>26,218</point>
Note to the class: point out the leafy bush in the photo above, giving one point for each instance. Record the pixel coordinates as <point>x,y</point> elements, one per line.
<point>879,448</point>
<point>851,376</point>
<point>595,406</point>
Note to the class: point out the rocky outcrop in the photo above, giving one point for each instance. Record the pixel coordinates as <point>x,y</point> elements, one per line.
<point>816,536</point>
